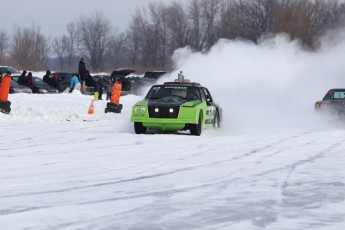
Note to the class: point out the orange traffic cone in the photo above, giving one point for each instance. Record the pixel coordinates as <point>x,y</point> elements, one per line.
<point>92,108</point>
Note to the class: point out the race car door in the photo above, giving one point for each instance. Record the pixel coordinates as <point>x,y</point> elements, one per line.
<point>211,108</point>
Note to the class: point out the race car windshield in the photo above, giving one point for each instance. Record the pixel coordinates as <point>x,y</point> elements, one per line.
<point>183,92</point>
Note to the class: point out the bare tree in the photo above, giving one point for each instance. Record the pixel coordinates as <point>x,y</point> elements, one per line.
<point>94,34</point>
<point>4,44</point>
<point>22,42</point>
<point>65,48</point>
<point>178,29</point>
<point>135,35</point>
<point>204,15</point>
<point>195,18</point>
<point>230,24</point>
<point>117,51</point>
<point>159,29</point>
<point>156,31</point>
<point>60,47</point>
<point>40,50</point>
<point>30,47</point>
<point>72,46</point>
<point>256,17</point>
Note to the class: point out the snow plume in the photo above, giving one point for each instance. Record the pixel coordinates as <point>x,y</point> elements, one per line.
<point>267,87</point>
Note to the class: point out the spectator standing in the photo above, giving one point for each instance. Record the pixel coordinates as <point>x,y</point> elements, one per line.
<point>75,84</point>
<point>109,89</point>
<point>21,79</point>
<point>82,71</point>
<point>55,80</point>
<point>88,79</point>
<point>100,88</point>
<point>47,78</point>
<point>95,89</point>
<point>29,81</point>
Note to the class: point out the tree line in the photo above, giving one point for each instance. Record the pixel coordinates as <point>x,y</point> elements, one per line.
<point>154,32</point>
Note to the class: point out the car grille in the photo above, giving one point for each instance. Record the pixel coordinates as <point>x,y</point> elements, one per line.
<point>163,112</point>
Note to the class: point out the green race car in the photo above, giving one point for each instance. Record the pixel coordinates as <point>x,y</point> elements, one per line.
<point>174,106</point>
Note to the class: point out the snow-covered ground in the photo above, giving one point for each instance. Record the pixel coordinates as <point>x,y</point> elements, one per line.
<point>61,172</point>
<point>273,164</point>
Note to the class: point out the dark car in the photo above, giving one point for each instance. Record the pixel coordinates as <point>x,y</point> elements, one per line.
<point>104,78</point>
<point>17,88</point>
<point>333,103</point>
<point>13,71</point>
<point>41,87</point>
<point>63,80</point>
<point>121,75</point>
<point>150,78</point>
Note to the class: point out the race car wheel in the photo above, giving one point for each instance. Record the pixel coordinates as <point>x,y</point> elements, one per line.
<point>195,129</point>
<point>216,121</point>
<point>139,128</point>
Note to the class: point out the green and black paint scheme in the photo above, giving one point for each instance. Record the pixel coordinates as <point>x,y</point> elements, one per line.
<point>175,106</point>
<point>333,103</point>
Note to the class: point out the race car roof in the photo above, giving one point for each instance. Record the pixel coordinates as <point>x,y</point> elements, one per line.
<point>183,83</point>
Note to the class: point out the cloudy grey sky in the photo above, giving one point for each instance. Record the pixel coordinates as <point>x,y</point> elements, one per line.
<point>53,16</point>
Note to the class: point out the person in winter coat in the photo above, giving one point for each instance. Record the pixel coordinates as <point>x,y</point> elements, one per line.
<point>21,79</point>
<point>75,84</point>
<point>47,78</point>
<point>29,81</point>
<point>100,88</point>
<point>95,85</point>
<point>109,89</point>
<point>82,70</point>
<point>88,79</point>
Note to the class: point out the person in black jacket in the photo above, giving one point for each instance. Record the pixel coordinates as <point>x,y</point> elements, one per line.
<point>21,79</point>
<point>82,71</point>
<point>47,78</point>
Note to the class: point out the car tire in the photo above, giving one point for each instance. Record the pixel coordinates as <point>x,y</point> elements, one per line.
<point>139,128</point>
<point>195,129</point>
<point>216,121</point>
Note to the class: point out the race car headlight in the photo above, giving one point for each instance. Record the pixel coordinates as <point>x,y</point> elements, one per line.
<point>43,91</point>
<point>139,111</point>
<point>171,110</point>
<point>156,110</point>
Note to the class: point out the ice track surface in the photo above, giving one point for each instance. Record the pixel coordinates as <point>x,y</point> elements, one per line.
<point>60,172</point>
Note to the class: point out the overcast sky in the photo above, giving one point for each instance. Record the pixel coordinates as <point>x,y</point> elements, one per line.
<point>53,16</point>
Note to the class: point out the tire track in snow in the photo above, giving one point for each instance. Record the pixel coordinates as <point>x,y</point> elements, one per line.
<point>169,191</point>
<point>284,184</point>
<point>140,178</point>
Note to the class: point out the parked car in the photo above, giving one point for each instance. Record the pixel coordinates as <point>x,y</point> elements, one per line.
<point>121,75</point>
<point>174,106</point>
<point>333,103</point>
<point>17,88</point>
<point>13,71</point>
<point>104,78</point>
<point>150,78</point>
<point>41,87</point>
<point>63,80</point>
